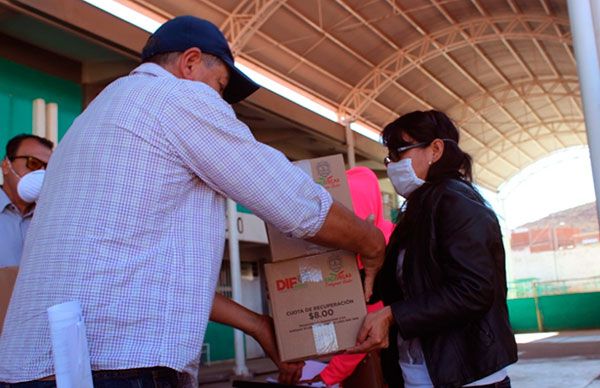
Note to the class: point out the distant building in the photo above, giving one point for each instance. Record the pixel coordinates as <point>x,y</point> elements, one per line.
<point>562,230</point>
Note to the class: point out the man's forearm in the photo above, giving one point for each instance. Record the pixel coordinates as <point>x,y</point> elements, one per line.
<point>342,229</point>
<point>229,313</point>
<point>260,327</point>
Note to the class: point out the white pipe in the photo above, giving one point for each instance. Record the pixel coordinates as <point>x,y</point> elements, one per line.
<point>52,122</point>
<point>586,53</point>
<point>38,127</point>
<point>596,23</point>
<point>350,145</point>
<point>236,284</point>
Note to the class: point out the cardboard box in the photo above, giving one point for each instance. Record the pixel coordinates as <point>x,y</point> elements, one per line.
<point>317,302</point>
<point>8,276</point>
<point>330,172</point>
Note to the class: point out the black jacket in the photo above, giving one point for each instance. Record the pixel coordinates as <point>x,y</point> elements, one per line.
<point>454,292</point>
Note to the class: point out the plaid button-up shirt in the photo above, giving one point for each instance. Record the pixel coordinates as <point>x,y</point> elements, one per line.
<point>131,222</point>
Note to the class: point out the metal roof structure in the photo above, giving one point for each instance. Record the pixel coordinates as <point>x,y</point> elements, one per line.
<point>504,70</point>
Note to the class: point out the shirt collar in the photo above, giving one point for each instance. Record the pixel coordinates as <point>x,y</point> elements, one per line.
<point>4,200</point>
<point>5,203</point>
<point>152,69</point>
<point>158,71</point>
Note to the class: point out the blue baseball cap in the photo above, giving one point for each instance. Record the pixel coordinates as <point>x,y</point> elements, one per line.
<point>184,32</point>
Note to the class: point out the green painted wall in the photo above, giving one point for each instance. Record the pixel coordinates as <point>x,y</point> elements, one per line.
<point>220,338</point>
<point>557,312</point>
<point>522,314</point>
<point>19,86</point>
<point>243,209</point>
<point>571,311</point>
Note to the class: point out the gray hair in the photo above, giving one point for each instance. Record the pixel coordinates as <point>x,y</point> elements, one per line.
<point>167,58</point>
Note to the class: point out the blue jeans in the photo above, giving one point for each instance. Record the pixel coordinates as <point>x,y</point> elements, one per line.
<point>139,378</point>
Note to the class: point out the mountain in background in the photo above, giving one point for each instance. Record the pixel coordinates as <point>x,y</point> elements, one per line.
<point>583,217</point>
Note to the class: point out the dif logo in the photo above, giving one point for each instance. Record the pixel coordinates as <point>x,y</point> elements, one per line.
<point>335,264</point>
<point>337,275</point>
<point>324,177</point>
<point>290,283</point>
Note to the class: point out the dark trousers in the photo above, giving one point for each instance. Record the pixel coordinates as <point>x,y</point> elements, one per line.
<point>131,378</point>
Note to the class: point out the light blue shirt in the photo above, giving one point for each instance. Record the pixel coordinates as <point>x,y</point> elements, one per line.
<point>13,229</point>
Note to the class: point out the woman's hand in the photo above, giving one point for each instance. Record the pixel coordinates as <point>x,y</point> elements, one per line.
<point>264,333</point>
<point>374,332</point>
<point>372,264</point>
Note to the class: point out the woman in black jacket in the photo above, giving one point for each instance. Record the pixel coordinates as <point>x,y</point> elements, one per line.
<point>443,281</point>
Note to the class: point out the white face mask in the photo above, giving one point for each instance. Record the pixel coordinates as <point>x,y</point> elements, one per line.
<point>403,177</point>
<point>30,185</point>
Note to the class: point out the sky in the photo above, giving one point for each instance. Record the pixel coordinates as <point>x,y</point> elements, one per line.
<point>560,181</point>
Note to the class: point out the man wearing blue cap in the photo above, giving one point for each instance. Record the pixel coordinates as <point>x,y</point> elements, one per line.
<point>132,219</point>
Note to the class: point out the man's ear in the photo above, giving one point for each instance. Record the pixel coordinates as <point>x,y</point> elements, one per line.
<point>4,166</point>
<point>437,146</point>
<point>188,61</point>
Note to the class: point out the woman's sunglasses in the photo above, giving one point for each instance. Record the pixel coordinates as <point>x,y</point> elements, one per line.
<point>394,156</point>
<point>32,163</point>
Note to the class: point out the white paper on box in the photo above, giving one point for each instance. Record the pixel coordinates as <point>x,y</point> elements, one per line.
<point>309,273</point>
<point>325,338</point>
<point>69,346</point>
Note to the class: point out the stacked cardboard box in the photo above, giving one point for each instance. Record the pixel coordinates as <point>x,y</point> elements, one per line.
<point>316,292</point>
<point>8,276</point>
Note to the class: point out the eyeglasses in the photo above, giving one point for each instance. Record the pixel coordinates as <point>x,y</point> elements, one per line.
<point>32,163</point>
<point>394,156</point>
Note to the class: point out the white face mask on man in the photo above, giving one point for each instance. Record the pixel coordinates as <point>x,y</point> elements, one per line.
<point>30,185</point>
<point>403,177</point>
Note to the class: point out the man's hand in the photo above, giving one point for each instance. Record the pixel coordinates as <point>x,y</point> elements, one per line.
<point>343,230</point>
<point>261,328</point>
<point>264,334</point>
<point>374,332</point>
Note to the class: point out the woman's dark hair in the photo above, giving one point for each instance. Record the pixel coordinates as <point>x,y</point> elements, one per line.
<point>425,127</point>
<point>416,219</point>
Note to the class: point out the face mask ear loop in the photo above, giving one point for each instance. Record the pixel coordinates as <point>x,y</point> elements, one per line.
<point>12,169</point>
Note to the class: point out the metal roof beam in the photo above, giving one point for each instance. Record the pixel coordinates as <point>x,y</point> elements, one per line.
<point>444,87</point>
<point>407,59</point>
<point>247,18</point>
<point>398,10</point>
<point>475,82</point>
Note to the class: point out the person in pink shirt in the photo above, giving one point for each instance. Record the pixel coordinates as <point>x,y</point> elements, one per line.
<point>367,201</point>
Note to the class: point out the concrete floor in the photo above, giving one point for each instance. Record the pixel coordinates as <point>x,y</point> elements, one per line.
<point>546,360</point>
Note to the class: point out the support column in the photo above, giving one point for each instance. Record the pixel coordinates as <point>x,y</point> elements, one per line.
<point>38,126</point>
<point>350,145</point>
<point>585,43</point>
<point>240,368</point>
<point>52,122</point>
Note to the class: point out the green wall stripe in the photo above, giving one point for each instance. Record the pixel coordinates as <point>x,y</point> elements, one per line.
<point>20,85</point>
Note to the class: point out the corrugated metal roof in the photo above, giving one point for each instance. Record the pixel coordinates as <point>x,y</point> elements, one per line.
<point>504,70</point>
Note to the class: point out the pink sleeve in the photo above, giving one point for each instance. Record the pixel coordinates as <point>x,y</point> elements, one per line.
<point>341,366</point>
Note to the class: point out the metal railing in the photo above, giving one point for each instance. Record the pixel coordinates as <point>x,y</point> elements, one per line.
<point>531,288</point>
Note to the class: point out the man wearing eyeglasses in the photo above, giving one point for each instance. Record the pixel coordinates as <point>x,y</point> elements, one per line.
<point>24,154</point>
